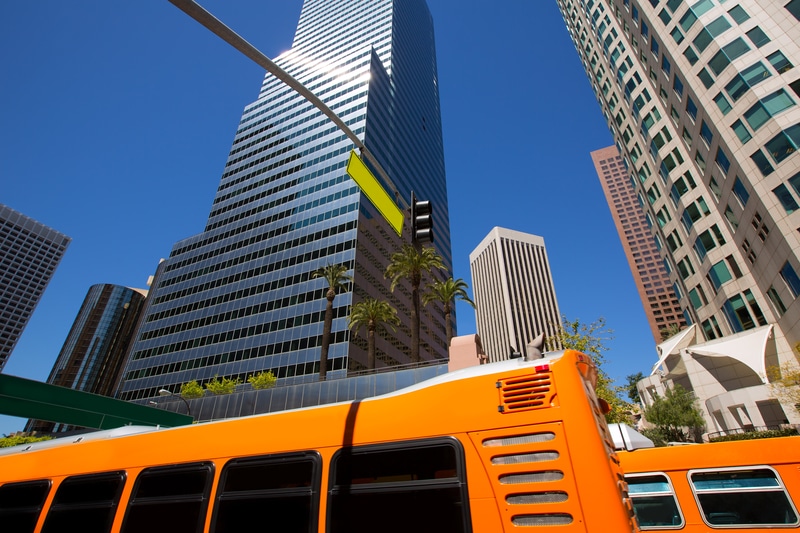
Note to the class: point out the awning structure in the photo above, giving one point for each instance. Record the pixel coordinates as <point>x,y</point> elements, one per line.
<point>26,398</point>
<point>671,346</point>
<point>748,347</point>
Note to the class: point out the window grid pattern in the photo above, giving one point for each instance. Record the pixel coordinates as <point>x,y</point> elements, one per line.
<point>234,300</point>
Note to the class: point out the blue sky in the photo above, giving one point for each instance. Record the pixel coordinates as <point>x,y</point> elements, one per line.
<point>116,119</point>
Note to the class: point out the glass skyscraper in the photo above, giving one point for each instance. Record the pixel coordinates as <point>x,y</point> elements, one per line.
<point>239,297</point>
<point>29,255</point>
<point>94,352</point>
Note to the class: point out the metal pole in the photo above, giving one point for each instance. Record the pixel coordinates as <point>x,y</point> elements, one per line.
<point>165,392</point>
<point>198,13</point>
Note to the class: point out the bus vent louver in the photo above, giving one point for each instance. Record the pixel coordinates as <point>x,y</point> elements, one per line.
<point>550,519</point>
<point>532,477</point>
<point>524,393</point>
<point>518,459</point>
<point>537,497</point>
<point>530,468</point>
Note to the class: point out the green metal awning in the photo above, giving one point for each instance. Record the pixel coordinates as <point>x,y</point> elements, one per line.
<point>26,398</point>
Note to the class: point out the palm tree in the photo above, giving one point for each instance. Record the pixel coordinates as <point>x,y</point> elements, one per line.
<point>670,331</point>
<point>337,278</point>
<point>446,291</point>
<point>372,313</point>
<point>410,263</point>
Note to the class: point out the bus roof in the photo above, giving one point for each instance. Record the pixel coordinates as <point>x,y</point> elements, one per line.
<point>498,367</point>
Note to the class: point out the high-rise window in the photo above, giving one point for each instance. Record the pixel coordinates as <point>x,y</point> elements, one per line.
<point>749,77</point>
<point>793,7</point>
<point>768,107</point>
<point>719,274</point>
<point>758,37</point>
<point>740,191</point>
<point>786,199</point>
<point>691,109</point>
<point>779,61</point>
<point>728,53</point>
<point>738,14</point>
<point>784,144</point>
<point>789,275</point>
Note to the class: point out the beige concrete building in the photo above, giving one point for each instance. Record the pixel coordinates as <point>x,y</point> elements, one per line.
<point>726,376</point>
<point>652,281</point>
<point>701,99</point>
<point>515,300</point>
<point>466,351</point>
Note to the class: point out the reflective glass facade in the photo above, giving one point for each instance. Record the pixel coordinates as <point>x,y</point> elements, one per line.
<point>247,401</point>
<point>93,355</point>
<point>239,297</point>
<point>29,254</point>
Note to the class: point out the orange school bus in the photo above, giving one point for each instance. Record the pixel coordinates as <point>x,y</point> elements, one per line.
<point>509,446</point>
<point>751,485</point>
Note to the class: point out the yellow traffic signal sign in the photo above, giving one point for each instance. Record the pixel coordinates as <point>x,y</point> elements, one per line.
<point>373,189</point>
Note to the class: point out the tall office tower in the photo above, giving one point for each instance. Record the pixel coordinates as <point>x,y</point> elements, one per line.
<point>660,303</point>
<point>240,297</point>
<point>93,355</point>
<point>29,254</point>
<point>701,98</point>
<point>515,300</point>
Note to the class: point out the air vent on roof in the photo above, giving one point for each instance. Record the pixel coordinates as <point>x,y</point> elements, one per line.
<point>525,392</point>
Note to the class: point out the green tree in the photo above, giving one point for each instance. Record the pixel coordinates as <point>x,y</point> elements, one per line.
<point>411,263</point>
<point>446,292</point>
<point>337,278</point>
<point>655,435</point>
<point>669,331</point>
<point>631,381</point>
<point>15,440</point>
<point>372,314</point>
<point>587,338</point>
<point>675,415</point>
<point>784,383</point>
<point>262,380</point>
<point>590,339</point>
<point>222,386</point>
<point>192,389</point>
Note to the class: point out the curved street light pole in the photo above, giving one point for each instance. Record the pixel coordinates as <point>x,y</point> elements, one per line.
<point>165,392</point>
<point>199,13</point>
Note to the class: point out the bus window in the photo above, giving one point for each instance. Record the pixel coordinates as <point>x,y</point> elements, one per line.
<point>21,503</point>
<point>169,499</point>
<point>752,497</point>
<point>90,501</point>
<point>414,487</point>
<point>654,501</point>
<point>282,490</point>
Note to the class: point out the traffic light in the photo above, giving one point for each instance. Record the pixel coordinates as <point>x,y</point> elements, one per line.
<point>421,220</point>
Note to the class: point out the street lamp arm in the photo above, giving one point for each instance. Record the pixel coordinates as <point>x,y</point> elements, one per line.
<point>165,392</point>
<point>199,13</point>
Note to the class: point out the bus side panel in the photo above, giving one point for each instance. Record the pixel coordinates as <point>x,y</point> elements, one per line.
<point>131,474</point>
<point>782,454</point>
<point>484,513</point>
<point>687,503</point>
<point>485,517</point>
<point>531,474</point>
<point>603,491</point>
